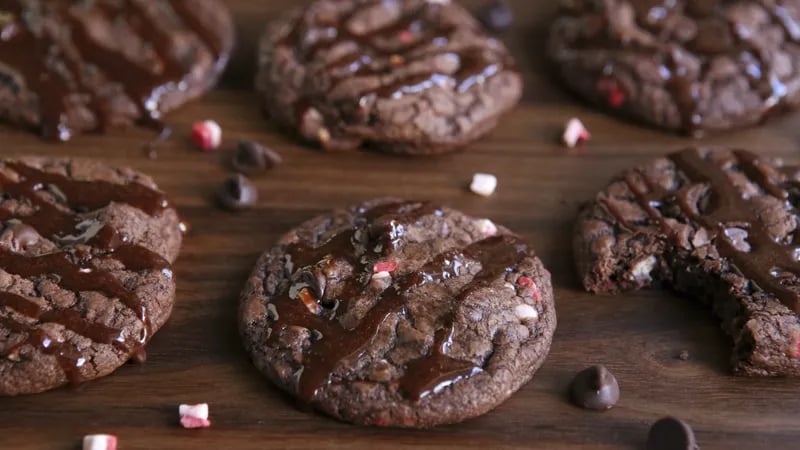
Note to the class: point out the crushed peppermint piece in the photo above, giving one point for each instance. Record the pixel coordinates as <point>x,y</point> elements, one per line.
<point>612,91</point>
<point>486,227</point>
<point>100,442</point>
<point>308,300</point>
<point>529,284</point>
<point>385,266</point>
<point>194,416</point>
<point>483,184</point>
<point>207,135</point>
<point>525,312</point>
<point>575,133</point>
<point>406,36</point>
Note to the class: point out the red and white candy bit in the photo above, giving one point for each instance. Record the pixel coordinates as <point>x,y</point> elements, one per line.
<point>525,282</point>
<point>486,227</point>
<point>207,135</point>
<point>612,91</point>
<point>575,133</point>
<point>100,442</point>
<point>308,300</point>
<point>384,266</point>
<point>406,36</point>
<point>194,416</point>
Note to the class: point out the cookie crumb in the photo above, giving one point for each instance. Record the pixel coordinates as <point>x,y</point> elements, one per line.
<point>100,442</point>
<point>483,184</point>
<point>575,133</point>
<point>194,416</point>
<point>207,135</point>
<point>683,355</point>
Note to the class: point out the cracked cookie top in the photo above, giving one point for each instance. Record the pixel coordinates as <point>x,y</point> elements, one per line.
<point>399,313</point>
<point>417,76</point>
<point>85,270</point>
<point>687,66</point>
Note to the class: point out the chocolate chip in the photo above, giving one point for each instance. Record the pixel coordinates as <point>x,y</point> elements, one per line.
<point>252,158</point>
<point>595,388</point>
<point>237,193</point>
<point>670,433</point>
<point>496,16</point>
<point>316,281</point>
<point>316,335</point>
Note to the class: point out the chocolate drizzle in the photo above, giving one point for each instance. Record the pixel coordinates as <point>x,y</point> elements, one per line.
<point>764,261</point>
<point>434,370</point>
<point>55,63</point>
<point>55,219</point>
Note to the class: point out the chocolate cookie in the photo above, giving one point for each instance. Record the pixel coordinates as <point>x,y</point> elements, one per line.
<point>417,76</point>
<point>397,313</point>
<point>683,66</point>
<point>721,227</point>
<point>71,66</point>
<point>85,275</point>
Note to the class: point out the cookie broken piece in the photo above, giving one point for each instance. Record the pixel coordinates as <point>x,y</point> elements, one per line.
<point>412,77</point>
<point>398,313</point>
<point>717,225</point>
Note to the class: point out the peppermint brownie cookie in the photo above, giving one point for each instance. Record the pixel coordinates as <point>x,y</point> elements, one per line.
<point>685,66</point>
<point>74,66</point>
<point>85,275</point>
<point>719,226</point>
<point>416,76</point>
<point>397,313</point>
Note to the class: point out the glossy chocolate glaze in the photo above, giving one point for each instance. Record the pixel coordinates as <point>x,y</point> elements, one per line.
<point>73,268</point>
<point>335,344</point>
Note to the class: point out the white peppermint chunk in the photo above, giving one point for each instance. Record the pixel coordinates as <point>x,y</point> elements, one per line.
<point>483,184</point>
<point>381,275</point>
<point>199,411</point>
<point>526,312</point>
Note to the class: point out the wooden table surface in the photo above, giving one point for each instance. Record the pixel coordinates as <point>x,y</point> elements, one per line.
<point>197,357</point>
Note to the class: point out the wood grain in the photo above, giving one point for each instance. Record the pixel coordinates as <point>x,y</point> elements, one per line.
<point>197,357</point>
